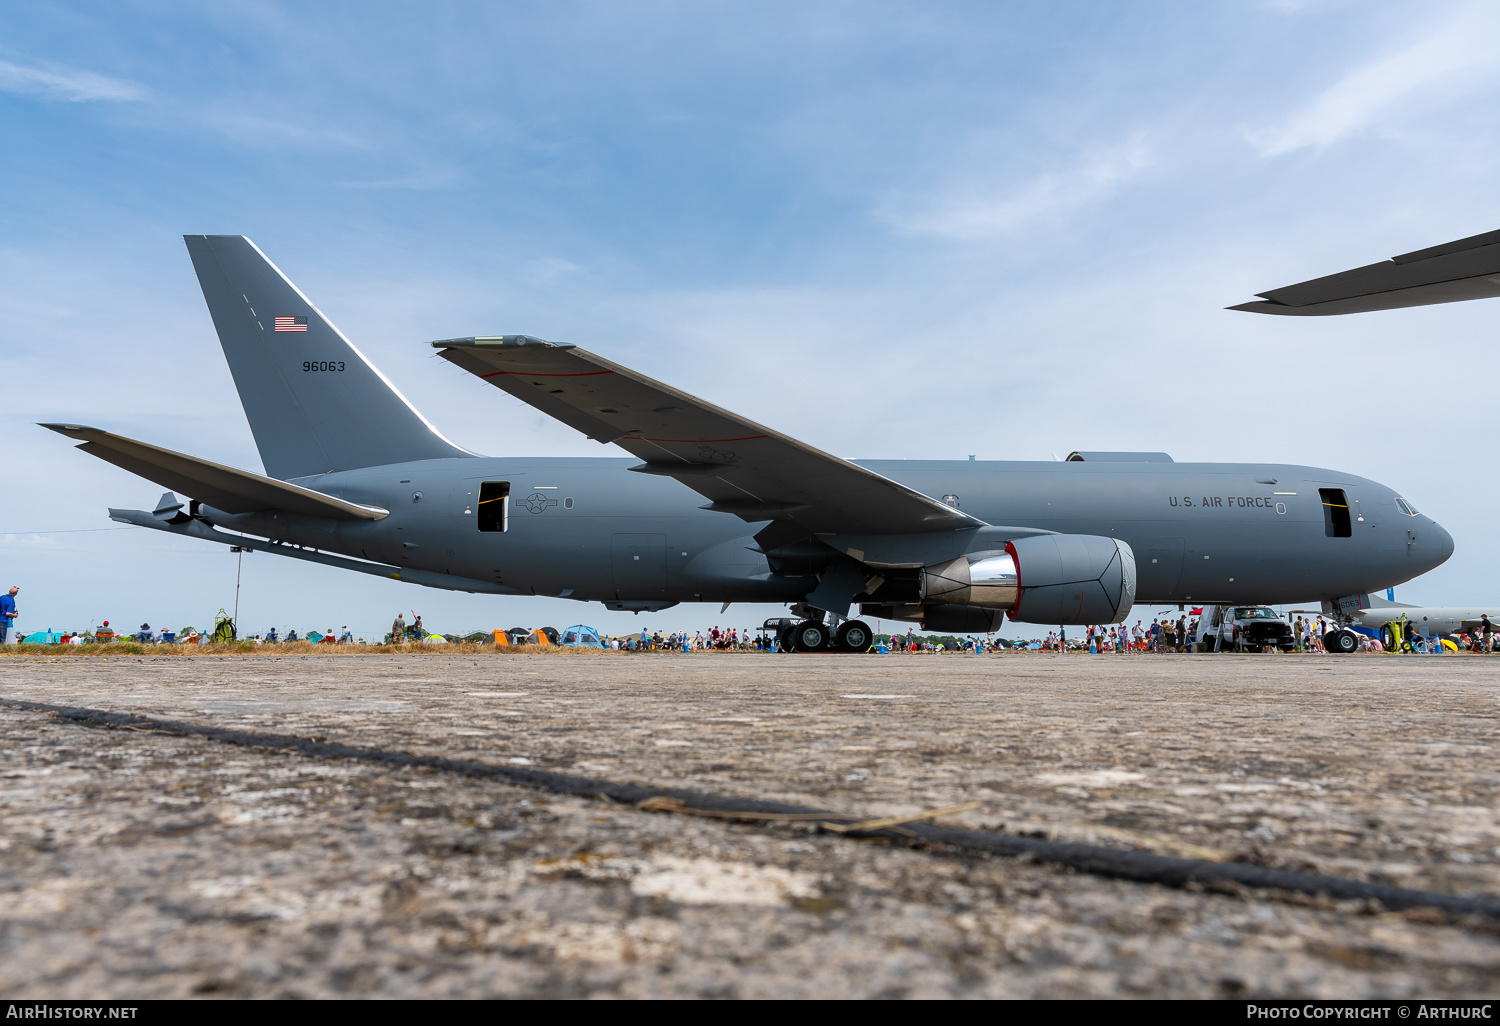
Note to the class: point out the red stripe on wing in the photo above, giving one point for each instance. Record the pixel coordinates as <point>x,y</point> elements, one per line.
<point>524,374</point>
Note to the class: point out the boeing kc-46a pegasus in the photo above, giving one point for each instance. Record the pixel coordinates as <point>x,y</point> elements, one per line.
<point>711,507</point>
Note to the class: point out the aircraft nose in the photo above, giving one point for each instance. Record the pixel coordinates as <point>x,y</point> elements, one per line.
<point>1443,543</point>
<point>1427,546</point>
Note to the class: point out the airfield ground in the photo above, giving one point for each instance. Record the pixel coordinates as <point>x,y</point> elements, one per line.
<point>139,864</point>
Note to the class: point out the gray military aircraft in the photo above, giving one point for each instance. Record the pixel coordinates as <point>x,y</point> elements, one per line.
<point>717,508</point>
<point>1451,273</point>
<point>1376,612</point>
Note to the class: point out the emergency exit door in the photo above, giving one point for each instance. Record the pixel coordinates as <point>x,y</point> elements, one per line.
<point>640,564</point>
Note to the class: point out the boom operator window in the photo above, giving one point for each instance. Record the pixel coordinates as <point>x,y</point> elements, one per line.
<point>1336,522</point>
<point>494,505</point>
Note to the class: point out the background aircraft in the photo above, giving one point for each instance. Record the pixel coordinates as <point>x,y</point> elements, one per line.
<point>1429,620</point>
<point>1452,272</point>
<point>714,507</point>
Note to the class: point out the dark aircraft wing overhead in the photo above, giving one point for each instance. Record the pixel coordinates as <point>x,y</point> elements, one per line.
<point>740,466</point>
<point>1450,273</point>
<point>225,488</point>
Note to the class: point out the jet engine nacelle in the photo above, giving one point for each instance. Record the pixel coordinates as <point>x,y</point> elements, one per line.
<point>1050,579</point>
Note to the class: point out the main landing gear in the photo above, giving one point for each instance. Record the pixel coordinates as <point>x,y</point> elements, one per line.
<point>816,636</point>
<point>853,636</point>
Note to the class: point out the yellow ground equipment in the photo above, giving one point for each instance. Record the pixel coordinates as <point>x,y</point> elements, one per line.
<point>223,632</point>
<point>1400,636</point>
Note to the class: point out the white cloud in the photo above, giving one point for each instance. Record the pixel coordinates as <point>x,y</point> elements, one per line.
<point>545,268</point>
<point>1456,57</point>
<point>1296,6</point>
<point>971,213</point>
<point>66,84</point>
<point>436,178</point>
<point>260,130</point>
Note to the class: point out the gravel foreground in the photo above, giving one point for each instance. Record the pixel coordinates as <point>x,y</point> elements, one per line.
<point>136,864</point>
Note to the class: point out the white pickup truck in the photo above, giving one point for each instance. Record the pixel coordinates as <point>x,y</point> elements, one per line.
<point>1243,629</point>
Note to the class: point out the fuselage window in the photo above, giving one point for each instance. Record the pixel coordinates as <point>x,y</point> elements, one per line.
<point>494,505</point>
<point>1405,507</point>
<point>1336,521</point>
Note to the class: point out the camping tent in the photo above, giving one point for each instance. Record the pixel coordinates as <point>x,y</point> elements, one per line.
<point>579,636</point>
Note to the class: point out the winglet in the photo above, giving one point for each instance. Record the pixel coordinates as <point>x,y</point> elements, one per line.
<point>71,430</point>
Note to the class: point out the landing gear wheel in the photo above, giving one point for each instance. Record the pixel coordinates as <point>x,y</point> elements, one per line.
<point>809,636</point>
<point>853,636</point>
<point>784,639</point>
<point>1341,641</point>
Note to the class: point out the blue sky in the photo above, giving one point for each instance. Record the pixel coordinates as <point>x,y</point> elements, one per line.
<point>892,230</point>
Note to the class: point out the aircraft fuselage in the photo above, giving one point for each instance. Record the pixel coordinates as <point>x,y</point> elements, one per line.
<point>592,530</point>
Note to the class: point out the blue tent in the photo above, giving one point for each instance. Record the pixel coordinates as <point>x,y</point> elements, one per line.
<point>579,636</point>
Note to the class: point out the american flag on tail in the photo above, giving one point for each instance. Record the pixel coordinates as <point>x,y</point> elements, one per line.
<point>291,324</point>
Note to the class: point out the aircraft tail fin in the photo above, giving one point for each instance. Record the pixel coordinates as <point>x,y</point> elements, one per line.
<point>314,403</point>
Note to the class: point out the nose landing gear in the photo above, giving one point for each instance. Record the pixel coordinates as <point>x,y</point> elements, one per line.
<point>1342,641</point>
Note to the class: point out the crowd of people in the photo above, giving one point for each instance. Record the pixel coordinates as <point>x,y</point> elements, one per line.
<point>1162,634</point>
<point>726,640</point>
<point>1165,634</point>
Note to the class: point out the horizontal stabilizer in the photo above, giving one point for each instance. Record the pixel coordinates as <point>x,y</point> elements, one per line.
<point>190,528</point>
<point>1450,273</point>
<point>225,488</point>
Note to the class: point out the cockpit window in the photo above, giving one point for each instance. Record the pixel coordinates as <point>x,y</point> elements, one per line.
<point>1405,507</point>
<point>1254,613</point>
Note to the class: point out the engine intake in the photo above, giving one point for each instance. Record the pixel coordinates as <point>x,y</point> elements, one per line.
<point>1073,579</point>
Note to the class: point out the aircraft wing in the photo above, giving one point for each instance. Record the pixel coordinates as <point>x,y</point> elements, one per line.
<point>225,488</point>
<point>1450,273</point>
<point>740,466</point>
